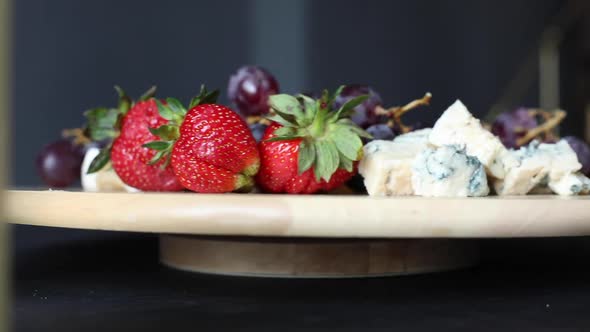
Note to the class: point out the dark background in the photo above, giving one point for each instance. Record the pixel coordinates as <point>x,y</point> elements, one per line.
<point>68,54</point>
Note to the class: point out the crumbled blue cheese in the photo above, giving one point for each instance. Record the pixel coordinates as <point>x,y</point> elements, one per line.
<point>529,170</point>
<point>387,165</point>
<point>571,184</point>
<point>448,172</point>
<point>457,126</point>
<point>563,159</point>
<point>539,166</point>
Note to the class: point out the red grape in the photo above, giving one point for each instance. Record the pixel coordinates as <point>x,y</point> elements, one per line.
<point>510,126</point>
<point>249,89</point>
<point>364,114</point>
<point>583,152</point>
<point>59,163</point>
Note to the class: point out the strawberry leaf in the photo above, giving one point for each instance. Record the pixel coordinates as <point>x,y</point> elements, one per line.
<point>150,93</point>
<point>356,129</point>
<point>327,160</point>
<point>347,142</point>
<point>310,109</point>
<point>157,157</point>
<point>288,117</point>
<point>167,161</point>
<point>100,160</point>
<point>166,132</point>
<point>204,97</point>
<point>345,163</point>
<point>306,156</point>
<point>348,108</point>
<point>158,145</point>
<point>176,106</point>
<point>102,123</point>
<point>165,111</point>
<point>194,102</point>
<point>285,131</point>
<point>124,100</point>
<point>280,120</point>
<point>325,99</point>
<point>286,104</point>
<point>336,94</point>
<point>211,97</point>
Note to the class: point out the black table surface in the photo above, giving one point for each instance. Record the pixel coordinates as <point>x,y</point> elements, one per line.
<point>72,280</point>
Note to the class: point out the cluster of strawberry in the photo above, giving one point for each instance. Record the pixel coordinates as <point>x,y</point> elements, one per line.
<point>158,144</point>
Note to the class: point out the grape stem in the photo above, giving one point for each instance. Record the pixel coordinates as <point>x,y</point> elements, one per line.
<point>77,134</point>
<point>395,113</point>
<point>552,119</point>
<point>252,119</point>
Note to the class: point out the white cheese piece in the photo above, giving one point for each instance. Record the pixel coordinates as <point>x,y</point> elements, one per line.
<point>89,180</point>
<point>457,126</point>
<point>570,184</point>
<point>386,165</point>
<point>540,166</point>
<point>563,159</point>
<point>448,172</point>
<point>529,171</point>
<point>104,180</point>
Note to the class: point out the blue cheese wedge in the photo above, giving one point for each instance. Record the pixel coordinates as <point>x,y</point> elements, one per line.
<point>541,166</point>
<point>570,184</point>
<point>448,171</point>
<point>387,165</point>
<point>563,159</point>
<point>529,170</point>
<point>457,126</point>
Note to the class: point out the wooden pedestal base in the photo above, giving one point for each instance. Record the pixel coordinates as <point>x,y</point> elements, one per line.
<point>314,258</point>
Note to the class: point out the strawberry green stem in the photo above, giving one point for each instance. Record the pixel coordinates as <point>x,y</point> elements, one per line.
<point>244,183</point>
<point>318,126</point>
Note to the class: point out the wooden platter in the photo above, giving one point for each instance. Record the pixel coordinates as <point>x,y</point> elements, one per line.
<point>307,236</point>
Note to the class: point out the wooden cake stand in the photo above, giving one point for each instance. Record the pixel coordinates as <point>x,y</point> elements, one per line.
<point>307,236</point>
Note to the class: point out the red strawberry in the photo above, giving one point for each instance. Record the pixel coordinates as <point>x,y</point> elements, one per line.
<point>212,149</point>
<point>128,129</point>
<point>131,161</point>
<point>309,147</point>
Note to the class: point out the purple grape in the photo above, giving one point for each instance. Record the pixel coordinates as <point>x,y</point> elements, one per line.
<point>257,130</point>
<point>583,152</point>
<point>249,89</point>
<point>510,126</point>
<point>364,114</point>
<point>59,163</point>
<point>381,132</point>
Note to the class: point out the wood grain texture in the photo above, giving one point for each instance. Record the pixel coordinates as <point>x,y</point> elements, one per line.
<point>318,259</point>
<point>303,216</point>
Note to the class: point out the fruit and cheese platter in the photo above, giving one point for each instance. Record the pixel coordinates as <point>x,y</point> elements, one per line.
<point>313,185</point>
